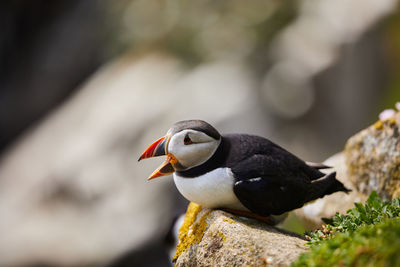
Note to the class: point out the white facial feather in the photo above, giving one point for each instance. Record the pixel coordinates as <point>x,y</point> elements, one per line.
<point>196,153</point>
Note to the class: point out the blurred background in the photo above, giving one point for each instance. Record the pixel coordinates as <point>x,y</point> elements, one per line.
<point>86,86</point>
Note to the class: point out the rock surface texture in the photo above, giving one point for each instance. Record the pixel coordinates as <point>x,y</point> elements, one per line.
<point>217,238</point>
<point>373,158</point>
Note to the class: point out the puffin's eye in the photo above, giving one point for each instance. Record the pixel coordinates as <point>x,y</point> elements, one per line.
<point>187,140</point>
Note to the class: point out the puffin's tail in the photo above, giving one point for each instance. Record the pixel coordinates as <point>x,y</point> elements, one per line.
<point>325,185</point>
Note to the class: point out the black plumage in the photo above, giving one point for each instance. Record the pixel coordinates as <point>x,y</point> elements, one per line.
<point>269,179</point>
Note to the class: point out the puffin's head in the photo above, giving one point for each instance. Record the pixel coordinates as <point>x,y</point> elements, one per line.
<point>187,144</point>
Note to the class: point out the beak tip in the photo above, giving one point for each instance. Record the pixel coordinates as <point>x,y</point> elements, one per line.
<point>157,148</point>
<point>152,176</point>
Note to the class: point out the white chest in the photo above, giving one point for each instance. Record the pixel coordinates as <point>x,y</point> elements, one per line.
<point>211,190</point>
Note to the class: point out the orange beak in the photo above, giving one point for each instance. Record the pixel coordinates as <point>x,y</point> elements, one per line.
<point>159,148</point>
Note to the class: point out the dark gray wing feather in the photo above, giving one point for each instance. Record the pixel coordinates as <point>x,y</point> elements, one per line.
<point>266,186</point>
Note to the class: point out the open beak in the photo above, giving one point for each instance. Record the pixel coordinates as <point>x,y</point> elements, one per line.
<point>159,148</point>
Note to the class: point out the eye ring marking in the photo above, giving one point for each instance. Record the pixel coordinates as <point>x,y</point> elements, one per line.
<point>187,140</point>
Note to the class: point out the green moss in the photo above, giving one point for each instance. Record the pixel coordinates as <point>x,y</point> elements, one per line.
<point>368,235</point>
<point>373,211</point>
<point>369,245</point>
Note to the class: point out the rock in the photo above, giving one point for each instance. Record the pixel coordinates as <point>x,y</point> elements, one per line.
<point>311,214</point>
<point>370,161</point>
<point>217,238</point>
<point>373,158</point>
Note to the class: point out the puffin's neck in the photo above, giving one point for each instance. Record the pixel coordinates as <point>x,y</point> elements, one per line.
<point>216,161</point>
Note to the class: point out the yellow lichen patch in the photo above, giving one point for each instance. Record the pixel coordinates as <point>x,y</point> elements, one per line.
<point>222,236</point>
<point>391,121</point>
<point>191,231</point>
<point>228,220</point>
<point>378,125</point>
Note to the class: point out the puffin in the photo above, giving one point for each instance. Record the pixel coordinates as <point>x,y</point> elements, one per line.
<point>243,174</point>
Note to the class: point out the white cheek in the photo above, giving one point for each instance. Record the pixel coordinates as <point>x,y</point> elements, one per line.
<point>197,155</point>
<point>191,155</point>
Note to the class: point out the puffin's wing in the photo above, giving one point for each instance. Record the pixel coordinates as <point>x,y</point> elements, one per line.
<point>266,196</point>
<point>267,187</point>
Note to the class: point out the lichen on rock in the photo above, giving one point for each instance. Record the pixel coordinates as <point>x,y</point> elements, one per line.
<point>217,238</point>
<point>192,230</point>
<point>373,158</point>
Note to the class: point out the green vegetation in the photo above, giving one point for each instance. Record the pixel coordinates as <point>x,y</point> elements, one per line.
<point>368,235</point>
<point>373,211</point>
<point>369,245</point>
